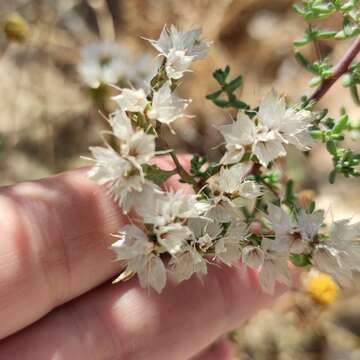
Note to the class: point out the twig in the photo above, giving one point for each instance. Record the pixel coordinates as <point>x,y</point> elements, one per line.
<point>273,191</point>
<point>340,69</point>
<point>184,175</point>
<point>104,19</point>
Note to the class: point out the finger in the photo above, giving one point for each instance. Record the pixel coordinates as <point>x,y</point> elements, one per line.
<point>127,322</point>
<point>55,235</point>
<point>222,349</point>
<point>55,238</point>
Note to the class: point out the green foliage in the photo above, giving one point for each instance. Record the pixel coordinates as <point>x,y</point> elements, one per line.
<point>352,80</point>
<point>290,196</point>
<point>321,68</point>
<point>201,169</point>
<point>300,260</point>
<point>332,133</point>
<point>272,178</point>
<point>157,175</point>
<point>228,89</point>
<point>321,9</point>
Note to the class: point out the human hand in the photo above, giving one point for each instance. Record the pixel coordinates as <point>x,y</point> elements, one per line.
<point>56,300</point>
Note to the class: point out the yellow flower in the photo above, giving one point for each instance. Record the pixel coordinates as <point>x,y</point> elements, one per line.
<point>322,288</point>
<point>16,28</point>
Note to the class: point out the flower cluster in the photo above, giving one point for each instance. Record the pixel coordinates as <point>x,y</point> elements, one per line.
<point>228,217</point>
<point>110,63</point>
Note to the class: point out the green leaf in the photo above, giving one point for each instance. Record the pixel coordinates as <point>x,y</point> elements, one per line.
<point>355,94</point>
<point>197,162</point>
<point>238,104</point>
<point>347,80</point>
<point>331,147</point>
<point>316,134</point>
<point>300,260</point>
<point>221,75</point>
<point>303,41</point>
<point>221,103</point>
<point>299,9</point>
<point>303,61</point>
<point>312,207</point>
<point>326,34</point>
<point>289,193</point>
<point>332,176</point>
<point>315,81</point>
<point>157,175</point>
<point>214,95</point>
<point>341,125</point>
<point>234,84</point>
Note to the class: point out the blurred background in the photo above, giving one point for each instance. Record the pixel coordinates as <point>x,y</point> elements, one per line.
<point>49,116</point>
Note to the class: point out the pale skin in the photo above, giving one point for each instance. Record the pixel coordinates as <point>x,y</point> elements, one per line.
<point>57,300</point>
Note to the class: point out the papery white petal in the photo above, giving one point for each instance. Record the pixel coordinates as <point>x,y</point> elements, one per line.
<point>177,63</point>
<point>166,106</point>
<point>268,151</point>
<point>131,100</point>
<point>309,224</point>
<point>109,166</point>
<point>152,273</point>
<point>173,236</point>
<point>186,264</point>
<point>253,256</point>
<point>326,258</point>
<point>132,242</point>
<point>280,220</point>
<point>271,110</point>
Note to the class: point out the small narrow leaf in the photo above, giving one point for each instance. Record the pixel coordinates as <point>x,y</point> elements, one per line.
<point>331,147</point>
<point>157,175</point>
<point>234,84</point>
<point>332,176</point>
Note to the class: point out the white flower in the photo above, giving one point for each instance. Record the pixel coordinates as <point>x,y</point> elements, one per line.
<point>177,63</point>
<point>135,145</point>
<point>309,224</point>
<point>228,249</point>
<point>142,71</point>
<point>117,174</point>
<point>278,125</point>
<point>173,206</point>
<point>189,41</point>
<point>168,214</point>
<point>205,231</point>
<point>135,248</point>
<point>150,270</point>
<point>232,181</point>
<point>133,242</point>
<point>166,106</point>
<point>180,48</point>
<point>186,264</point>
<point>274,268</point>
<point>133,192</point>
<point>253,256</point>
<point>340,254</point>
<point>109,166</point>
<point>238,135</point>
<point>287,234</point>
<point>121,171</point>
<point>274,126</point>
<point>173,236</point>
<point>131,100</point>
<point>103,63</point>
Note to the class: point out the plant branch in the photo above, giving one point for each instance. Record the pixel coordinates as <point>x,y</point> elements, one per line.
<point>340,69</point>
<point>184,175</point>
<point>104,19</point>
<point>273,191</point>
